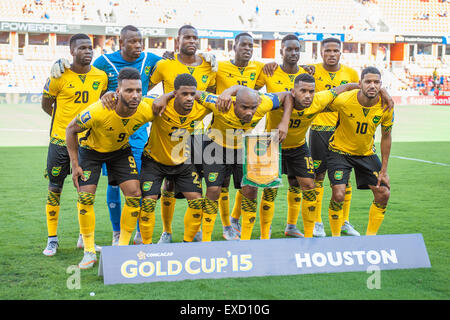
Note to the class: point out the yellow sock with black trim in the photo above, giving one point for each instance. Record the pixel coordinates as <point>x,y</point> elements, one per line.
<point>294,200</point>
<point>52,212</point>
<point>248,210</point>
<point>193,219</point>
<point>335,217</point>
<point>167,210</point>
<point>147,219</point>
<point>86,219</point>
<point>376,217</point>
<point>319,198</point>
<point>266,211</point>
<point>308,211</point>
<point>128,219</point>
<point>224,207</point>
<point>210,208</point>
<point>236,213</point>
<point>347,201</point>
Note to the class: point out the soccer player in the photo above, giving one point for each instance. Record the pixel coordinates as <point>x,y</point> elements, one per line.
<point>225,134</point>
<point>329,74</point>
<point>283,80</point>
<point>130,54</point>
<point>105,139</point>
<point>166,71</point>
<point>167,153</point>
<point>296,158</point>
<point>63,99</point>
<point>352,147</point>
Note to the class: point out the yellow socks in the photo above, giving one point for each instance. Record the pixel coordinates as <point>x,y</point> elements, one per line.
<point>224,207</point>
<point>167,209</point>
<point>376,217</point>
<point>266,211</point>
<point>294,199</point>
<point>319,198</point>
<point>248,210</point>
<point>86,219</point>
<point>193,219</point>
<point>147,220</point>
<point>347,201</point>
<point>209,217</point>
<point>308,211</point>
<point>52,212</point>
<point>236,214</point>
<point>335,217</point>
<point>128,219</point>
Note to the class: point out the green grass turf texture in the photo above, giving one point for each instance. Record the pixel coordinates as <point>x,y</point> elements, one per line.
<point>419,204</point>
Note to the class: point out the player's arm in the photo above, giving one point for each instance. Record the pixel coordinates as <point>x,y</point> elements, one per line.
<point>223,103</point>
<point>72,130</point>
<point>387,103</point>
<point>47,103</point>
<point>287,103</point>
<point>385,146</point>
<point>160,103</point>
<point>331,106</point>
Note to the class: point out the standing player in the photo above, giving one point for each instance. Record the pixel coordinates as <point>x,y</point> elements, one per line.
<point>296,158</point>
<point>167,153</point>
<point>283,80</point>
<point>63,99</point>
<point>225,147</point>
<point>105,140</point>
<point>166,71</point>
<point>352,147</point>
<point>130,54</point>
<point>329,74</point>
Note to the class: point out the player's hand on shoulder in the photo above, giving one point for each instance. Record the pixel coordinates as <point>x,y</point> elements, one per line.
<point>59,67</point>
<point>309,68</point>
<point>168,55</point>
<point>211,59</point>
<point>387,103</point>
<point>109,100</point>
<point>269,68</point>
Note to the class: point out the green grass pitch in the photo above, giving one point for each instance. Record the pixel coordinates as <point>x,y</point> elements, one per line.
<point>419,204</point>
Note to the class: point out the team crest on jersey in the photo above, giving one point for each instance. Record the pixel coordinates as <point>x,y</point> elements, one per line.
<point>56,171</point>
<point>204,78</point>
<point>343,82</point>
<point>252,76</point>
<point>376,119</point>
<point>87,175</point>
<point>147,70</point>
<point>213,176</point>
<point>317,163</point>
<point>95,85</point>
<point>85,117</point>
<point>147,185</point>
<point>338,175</point>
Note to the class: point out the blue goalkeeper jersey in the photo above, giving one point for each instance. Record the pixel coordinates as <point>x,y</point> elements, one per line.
<point>112,63</point>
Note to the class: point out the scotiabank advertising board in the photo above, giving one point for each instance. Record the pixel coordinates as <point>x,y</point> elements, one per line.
<point>423,100</point>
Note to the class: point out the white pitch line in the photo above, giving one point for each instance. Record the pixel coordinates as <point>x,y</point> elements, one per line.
<point>22,130</point>
<point>420,160</point>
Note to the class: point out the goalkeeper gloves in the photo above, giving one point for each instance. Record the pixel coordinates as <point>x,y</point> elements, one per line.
<point>59,67</point>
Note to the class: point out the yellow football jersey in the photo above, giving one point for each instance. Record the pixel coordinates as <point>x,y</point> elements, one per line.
<point>167,70</point>
<point>355,132</point>
<point>325,81</point>
<point>74,92</point>
<point>169,134</point>
<point>300,119</point>
<point>280,81</point>
<point>106,130</point>
<point>229,75</point>
<point>226,129</point>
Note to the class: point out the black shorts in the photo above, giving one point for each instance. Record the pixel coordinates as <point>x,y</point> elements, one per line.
<point>297,162</point>
<point>220,163</point>
<point>153,173</point>
<point>120,165</point>
<point>58,165</point>
<point>318,145</point>
<point>196,152</point>
<point>366,169</point>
